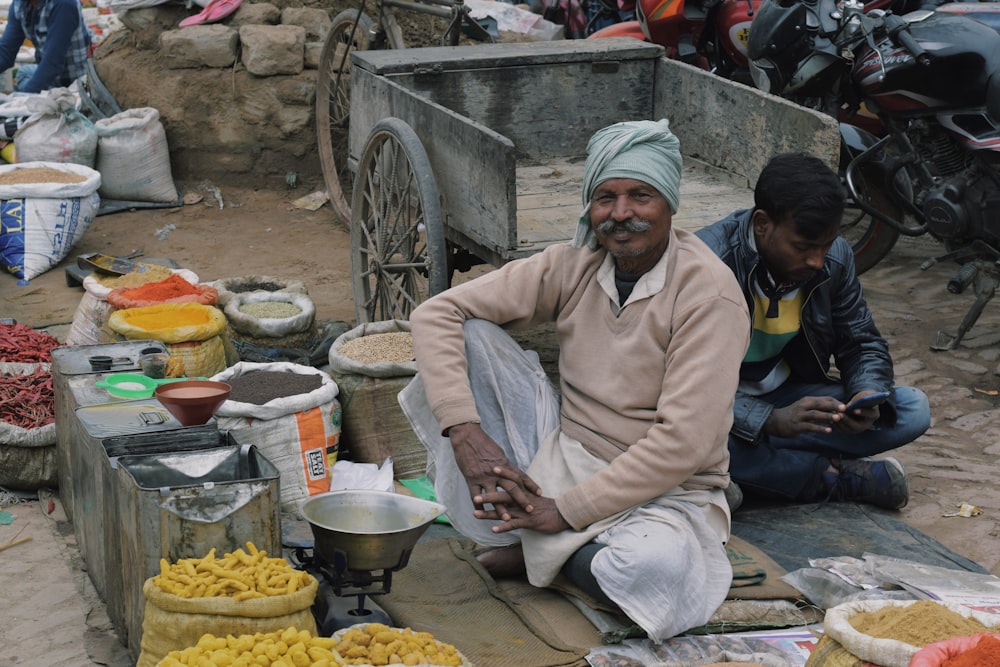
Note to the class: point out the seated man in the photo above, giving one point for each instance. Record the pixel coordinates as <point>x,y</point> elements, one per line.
<point>793,437</point>
<point>620,485</point>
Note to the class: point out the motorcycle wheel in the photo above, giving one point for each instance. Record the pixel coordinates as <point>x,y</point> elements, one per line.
<point>870,238</point>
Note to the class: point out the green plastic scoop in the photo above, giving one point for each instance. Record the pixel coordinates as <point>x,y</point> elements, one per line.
<point>134,385</point>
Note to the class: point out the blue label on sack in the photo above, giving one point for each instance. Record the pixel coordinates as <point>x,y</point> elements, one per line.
<point>12,236</point>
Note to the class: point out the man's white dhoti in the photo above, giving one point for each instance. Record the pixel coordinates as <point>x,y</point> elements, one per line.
<point>666,563</point>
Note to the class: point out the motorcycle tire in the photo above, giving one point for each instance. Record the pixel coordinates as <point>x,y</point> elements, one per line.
<point>871,239</point>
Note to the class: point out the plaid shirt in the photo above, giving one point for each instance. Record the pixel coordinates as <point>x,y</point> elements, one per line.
<point>55,22</point>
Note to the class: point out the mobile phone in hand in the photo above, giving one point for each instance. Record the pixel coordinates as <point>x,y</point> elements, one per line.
<point>869,401</point>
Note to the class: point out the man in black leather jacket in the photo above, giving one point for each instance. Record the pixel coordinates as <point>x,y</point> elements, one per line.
<point>814,348</point>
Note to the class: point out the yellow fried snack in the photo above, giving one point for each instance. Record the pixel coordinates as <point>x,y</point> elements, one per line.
<point>289,647</point>
<point>241,575</point>
<point>378,644</point>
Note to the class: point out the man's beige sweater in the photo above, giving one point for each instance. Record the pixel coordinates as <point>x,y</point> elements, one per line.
<point>649,387</point>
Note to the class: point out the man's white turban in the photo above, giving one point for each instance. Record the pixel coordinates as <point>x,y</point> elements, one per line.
<point>644,150</point>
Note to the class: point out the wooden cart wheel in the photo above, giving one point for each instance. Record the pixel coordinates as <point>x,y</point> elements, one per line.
<point>350,30</point>
<point>398,250</point>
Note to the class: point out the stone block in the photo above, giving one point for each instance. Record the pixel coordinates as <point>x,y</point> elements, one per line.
<point>297,90</point>
<point>269,50</point>
<point>199,46</point>
<point>147,23</point>
<point>314,51</point>
<point>255,13</point>
<point>316,22</point>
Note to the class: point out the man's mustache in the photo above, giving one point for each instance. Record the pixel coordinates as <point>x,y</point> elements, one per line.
<point>632,225</point>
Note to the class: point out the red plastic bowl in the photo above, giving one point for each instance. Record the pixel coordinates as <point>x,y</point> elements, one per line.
<point>193,402</point>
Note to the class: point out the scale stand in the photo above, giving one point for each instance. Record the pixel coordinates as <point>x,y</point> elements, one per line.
<point>334,612</point>
<point>344,596</point>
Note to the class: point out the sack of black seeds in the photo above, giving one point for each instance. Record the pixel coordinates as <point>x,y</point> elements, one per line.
<point>291,413</point>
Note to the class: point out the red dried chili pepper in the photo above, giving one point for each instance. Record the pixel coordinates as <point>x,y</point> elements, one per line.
<point>27,400</point>
<point>22,344</point>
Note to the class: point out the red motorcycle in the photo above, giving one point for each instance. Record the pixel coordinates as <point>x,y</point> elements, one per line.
<point>710,34</point>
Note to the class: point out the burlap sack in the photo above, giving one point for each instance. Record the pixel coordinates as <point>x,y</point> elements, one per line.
<point>171,622</point>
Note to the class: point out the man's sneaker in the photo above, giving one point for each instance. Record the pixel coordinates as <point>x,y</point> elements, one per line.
<point>880,482</point>
<point>734,496</point>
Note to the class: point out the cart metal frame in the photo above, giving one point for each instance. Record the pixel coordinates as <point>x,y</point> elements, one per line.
<point>354,30</point>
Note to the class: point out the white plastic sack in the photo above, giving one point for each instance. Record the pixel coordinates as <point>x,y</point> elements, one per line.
<point>133,157</point>
<point>41,222</point>
<point>56,131</point>
<point>271,327</point>
<point>299,434</point>
<point>344,365</point>
<point>27,455</point>
<point>878,650</point>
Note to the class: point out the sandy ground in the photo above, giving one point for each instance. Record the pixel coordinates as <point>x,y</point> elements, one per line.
<point>53,617</point>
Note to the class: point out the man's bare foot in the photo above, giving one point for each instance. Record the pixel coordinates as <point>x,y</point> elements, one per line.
<point>502,561</point>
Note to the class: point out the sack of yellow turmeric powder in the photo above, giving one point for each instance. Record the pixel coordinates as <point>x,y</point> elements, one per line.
<point>192,332</point>
<point>228,595</point>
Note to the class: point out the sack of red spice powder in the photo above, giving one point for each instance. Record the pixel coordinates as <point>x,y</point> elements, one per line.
<point>174,289</point>
<point>979,650</point>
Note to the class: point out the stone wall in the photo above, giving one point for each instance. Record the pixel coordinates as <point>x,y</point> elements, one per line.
<point>236,98</point>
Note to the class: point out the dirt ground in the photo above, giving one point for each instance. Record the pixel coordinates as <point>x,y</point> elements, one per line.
<point>259,232</point>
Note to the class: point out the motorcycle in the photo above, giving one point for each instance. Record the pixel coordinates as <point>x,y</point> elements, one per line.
<point>932,81</point>
<point>710,34</point>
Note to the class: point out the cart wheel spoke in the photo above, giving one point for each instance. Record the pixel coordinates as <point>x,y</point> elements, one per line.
<point>398,252</point>
<point>349,31</point>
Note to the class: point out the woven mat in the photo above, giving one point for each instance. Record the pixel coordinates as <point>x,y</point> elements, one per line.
<point>445,591</point>
<point>509,623</point>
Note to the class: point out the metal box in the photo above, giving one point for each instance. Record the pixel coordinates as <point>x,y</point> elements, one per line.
<point>182,504</point>
<point>106,484</point>
<point>73,381</point>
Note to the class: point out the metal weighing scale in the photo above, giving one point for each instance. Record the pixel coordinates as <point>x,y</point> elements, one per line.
<point>360,537</point>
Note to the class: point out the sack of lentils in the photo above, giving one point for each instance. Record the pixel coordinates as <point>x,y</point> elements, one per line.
<point>271,319</point>
<point>90,320</point>
<point>371,364</point>
<point>274,316</point>
<point>293,413</point>
<point>890,632</point>
<point>230,287</point>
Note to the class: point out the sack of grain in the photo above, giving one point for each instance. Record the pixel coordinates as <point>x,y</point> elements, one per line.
<point>45,207</point>
<point>133,157</point>
<point>56,131</point>
<point>271,315</point>
<point>230,287</point>
<point>293,413</point>
<point>371,364</point>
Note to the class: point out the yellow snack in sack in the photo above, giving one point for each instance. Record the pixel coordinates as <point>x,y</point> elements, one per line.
<point>378,644</point>
<point>290,647</point>
<point>241,575</point>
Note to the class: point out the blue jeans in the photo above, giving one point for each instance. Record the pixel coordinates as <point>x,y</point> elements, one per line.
<point>24,73</point>
<point>791,468</point>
